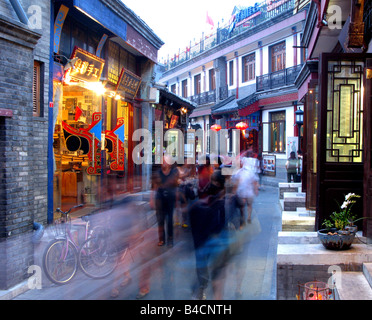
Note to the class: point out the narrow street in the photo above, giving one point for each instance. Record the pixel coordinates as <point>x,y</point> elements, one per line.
<point>173,274</point>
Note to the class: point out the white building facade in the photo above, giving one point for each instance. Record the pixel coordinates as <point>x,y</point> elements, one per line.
<point>245,72</point>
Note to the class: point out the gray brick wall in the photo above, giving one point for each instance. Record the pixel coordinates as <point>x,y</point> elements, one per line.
<point>23,140</point>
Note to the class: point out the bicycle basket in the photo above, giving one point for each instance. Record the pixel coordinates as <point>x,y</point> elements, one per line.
<point>61,225</point>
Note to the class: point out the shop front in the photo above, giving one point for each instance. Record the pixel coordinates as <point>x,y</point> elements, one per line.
<point>249,130</point>
<point>96,111</point>
<point>170,127</point>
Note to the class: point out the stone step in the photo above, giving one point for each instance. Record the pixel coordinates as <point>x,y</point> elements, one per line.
<point>311,237</point>
<point>292,201</point>
<point>288,187</point>
<point>289,237</point>
<point>367,271</point>
<point>354,286</point>
<point>297,221</point>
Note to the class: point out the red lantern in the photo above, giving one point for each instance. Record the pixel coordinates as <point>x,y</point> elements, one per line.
<point>241,126</point>
<point>216,127</point>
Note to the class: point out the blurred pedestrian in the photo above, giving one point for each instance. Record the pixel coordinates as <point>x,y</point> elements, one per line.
<point>165,199</point>
<point>204,175</point>
<point>246,188</point>
<point>207,218</point>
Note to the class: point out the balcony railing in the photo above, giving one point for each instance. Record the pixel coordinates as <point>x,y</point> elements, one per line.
<point>277,79</point>
<point>204,97</point>
<point>226,32</point>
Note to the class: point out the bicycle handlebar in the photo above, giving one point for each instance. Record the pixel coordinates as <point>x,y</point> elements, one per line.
<point>68,211</point>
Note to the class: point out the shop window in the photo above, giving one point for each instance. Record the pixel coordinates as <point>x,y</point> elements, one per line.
<point>278,57</point>
<point>345,112</point>
<point>197,84</point>
<point>249,67</point>
<point>37,90</point>
<point>184,88</point>
<point>231,73</point>
<point>212,80</point>
<point>173,88</point>
<point>277,132</point>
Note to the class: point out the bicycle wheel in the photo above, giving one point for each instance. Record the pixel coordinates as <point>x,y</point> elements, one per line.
<point>60,261</point>
<point>97,257</point>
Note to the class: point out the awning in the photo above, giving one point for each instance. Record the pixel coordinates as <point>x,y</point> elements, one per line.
<point>200,113</point>
<point>248,110</point>
<point>248,105</point>
<point>226,106</point>
<point>177,99</point>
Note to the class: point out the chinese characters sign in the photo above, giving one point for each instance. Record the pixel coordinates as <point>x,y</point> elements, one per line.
<point>87,67</point>
<point>128,83</point>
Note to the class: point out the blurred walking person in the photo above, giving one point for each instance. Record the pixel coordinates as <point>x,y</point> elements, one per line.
<point>246,188</point>
<point>165,199</point>
<point>207,219</point>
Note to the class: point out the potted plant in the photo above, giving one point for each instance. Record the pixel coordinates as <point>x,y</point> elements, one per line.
<point>339,232</point>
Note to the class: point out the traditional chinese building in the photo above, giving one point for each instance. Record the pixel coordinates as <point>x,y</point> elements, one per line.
<point>104,58</point>
<point>243,74</point>
<point>335,86</point>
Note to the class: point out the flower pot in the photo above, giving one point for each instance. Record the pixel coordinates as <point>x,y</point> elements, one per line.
<point>335,241</point>
<point>352,229</point>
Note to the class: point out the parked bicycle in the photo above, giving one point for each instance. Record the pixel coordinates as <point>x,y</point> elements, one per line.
<point>96,257</point>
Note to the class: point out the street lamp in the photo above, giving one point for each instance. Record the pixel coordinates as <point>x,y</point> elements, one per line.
<point>299,121</point>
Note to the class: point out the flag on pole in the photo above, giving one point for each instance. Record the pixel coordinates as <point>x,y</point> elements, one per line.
<point>210,21</point>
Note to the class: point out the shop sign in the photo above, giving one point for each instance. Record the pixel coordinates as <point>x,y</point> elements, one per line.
<point>173,121</point>
<point>247,14</point>
<point>269,165</point>
<point>128,83</point>
<point>244,15</point>
<point>58,25</point>
<point>87,67</point>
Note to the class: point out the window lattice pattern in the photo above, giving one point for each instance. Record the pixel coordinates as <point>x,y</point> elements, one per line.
<point>345,112</point>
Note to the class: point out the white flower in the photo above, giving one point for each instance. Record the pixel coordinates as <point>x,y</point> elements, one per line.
<point>345,204</point>
<point>350,195</point>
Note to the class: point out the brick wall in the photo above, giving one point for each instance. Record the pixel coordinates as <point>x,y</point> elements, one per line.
<point>23,141</point>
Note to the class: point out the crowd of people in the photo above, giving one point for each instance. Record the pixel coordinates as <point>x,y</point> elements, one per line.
<point>213,206</point>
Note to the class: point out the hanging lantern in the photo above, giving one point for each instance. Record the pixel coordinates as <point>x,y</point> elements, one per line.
<point>216,127</point>
<point>241,126</point>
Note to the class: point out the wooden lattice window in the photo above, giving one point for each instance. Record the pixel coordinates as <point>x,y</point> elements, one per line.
<point>345,112</point>
<point>36,90</point>
<point>278,57</point>
<point>249,65</point>
<point>197,84</point>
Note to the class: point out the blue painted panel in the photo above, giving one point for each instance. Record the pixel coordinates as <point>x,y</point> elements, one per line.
<point>105,16</point>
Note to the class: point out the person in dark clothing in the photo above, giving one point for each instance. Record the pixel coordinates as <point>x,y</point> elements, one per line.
<point>207,219</point>
<point>291,166</point>
<point>165,199</point>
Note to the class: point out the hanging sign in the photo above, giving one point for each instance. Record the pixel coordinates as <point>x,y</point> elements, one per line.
<point>88,141</point>
<point>101,44</point>
<point>115,145</point>
<point>58,25</point>
<point>87,67</point>
<point>173,121</point>
<point>128,83</point>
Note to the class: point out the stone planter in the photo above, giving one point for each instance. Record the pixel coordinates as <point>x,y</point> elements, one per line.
<point>336,241</point>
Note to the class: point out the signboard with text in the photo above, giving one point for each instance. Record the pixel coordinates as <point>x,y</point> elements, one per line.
<point>87,66</point>
<point>128,83</point>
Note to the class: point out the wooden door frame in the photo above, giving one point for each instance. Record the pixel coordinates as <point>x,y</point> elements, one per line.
<point>367,183</point>
<point>329,183</point>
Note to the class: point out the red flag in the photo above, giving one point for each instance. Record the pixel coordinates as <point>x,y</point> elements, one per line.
<point>210,21</point>
<point>78,113</point>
